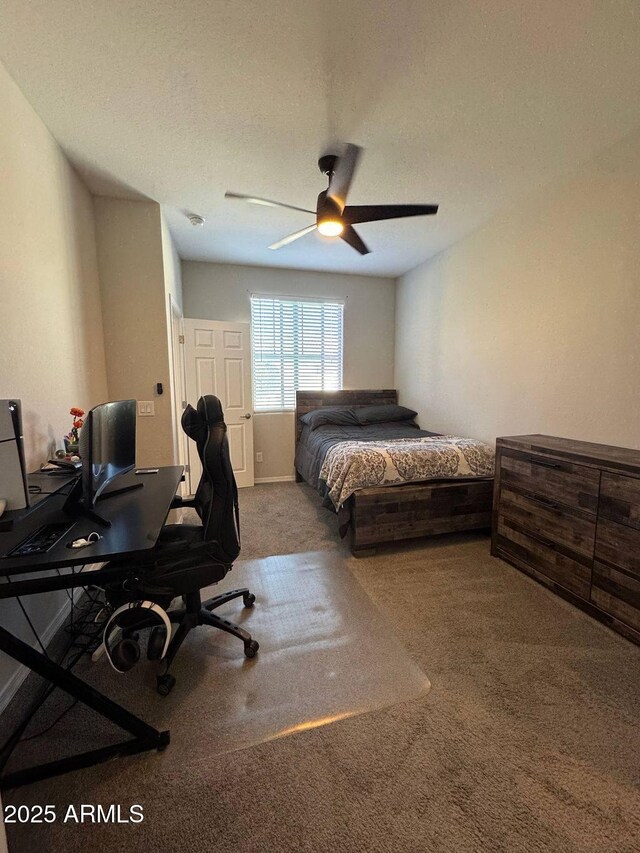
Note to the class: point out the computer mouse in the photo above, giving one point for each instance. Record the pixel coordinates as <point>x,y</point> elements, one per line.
<point>3,505</point>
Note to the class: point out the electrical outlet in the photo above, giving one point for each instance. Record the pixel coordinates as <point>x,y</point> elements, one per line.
<point>259,456</point>
<point>146,408</point>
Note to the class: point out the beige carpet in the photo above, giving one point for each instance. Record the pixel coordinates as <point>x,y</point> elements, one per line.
<point>528,741</point>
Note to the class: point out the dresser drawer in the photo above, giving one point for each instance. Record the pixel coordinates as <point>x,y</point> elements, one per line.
<point>542,557</point>
<point>620,499</point>
<point>617,594</point>
<point>572,533</point>
<point>560,481</point>
<point>619,545</point>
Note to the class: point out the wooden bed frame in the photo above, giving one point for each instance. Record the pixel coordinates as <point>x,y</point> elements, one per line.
<point>382,514</point>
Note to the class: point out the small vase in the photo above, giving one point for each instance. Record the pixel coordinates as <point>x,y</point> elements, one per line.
<point>71,447</point>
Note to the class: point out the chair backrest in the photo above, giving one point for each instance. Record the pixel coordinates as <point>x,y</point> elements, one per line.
<point>216,498</point>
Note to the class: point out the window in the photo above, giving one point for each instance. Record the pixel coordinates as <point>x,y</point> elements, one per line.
<point>297,343</point>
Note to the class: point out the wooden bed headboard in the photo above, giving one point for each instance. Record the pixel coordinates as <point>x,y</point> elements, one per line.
<point>307,401</point>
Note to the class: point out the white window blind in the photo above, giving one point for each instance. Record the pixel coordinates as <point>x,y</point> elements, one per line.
<point>296,344</point>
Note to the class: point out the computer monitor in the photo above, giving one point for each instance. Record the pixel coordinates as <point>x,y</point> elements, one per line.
<point>107,446</point>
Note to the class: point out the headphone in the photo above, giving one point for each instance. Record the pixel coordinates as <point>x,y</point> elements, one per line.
<point>124,653</point>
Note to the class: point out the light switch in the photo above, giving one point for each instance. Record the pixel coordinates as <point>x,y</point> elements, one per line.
<point>146,408</point>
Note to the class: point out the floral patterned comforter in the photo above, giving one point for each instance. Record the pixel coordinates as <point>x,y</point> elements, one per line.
<point>352,465</point>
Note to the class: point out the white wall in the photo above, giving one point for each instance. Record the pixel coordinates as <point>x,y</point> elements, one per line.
<point>134,310</point>
<point>172,264</point>
<point>532,324</point>
<point>223,292</point>
<point>173,292</point>
<point>51,339</point>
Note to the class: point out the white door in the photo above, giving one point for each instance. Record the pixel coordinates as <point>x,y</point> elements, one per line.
<point>218,361</point>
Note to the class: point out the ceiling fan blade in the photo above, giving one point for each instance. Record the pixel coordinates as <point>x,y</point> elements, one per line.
<point>265,202</point>
<point>345,169</point>
<point>351,236</point>
<point>295,236</point>
<point>375,212</point>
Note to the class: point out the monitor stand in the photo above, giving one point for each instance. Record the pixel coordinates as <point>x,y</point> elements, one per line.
<point>75,505</point>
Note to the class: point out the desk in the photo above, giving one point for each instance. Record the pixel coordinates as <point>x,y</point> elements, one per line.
<point>136,520</point>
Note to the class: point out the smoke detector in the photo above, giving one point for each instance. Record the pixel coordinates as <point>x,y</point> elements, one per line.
<point>195,219</point>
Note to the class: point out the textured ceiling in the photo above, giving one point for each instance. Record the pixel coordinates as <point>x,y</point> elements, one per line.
<point>473,104</point>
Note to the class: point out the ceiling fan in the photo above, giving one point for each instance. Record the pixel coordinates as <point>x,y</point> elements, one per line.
<point>334,217</point>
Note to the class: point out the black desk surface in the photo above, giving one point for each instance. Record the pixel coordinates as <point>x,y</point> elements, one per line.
<point>136,520</point>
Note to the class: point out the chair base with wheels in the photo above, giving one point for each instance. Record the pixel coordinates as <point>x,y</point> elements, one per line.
<point>195,613</point>
<point>164,590</point>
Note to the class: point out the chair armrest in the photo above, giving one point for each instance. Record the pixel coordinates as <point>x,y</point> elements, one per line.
<point>178,502</point>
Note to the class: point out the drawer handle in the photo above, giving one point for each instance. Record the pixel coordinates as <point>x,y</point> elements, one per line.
<point>543,501</point>
<point>536,460</point>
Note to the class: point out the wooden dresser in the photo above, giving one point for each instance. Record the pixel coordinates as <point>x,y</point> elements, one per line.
<point>568,514</point>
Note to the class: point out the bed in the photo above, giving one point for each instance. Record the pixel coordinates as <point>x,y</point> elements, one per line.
<point>373,515</point>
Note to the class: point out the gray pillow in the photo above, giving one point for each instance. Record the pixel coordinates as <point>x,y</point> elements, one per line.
<point>383,414</point>
<point>339,415</point>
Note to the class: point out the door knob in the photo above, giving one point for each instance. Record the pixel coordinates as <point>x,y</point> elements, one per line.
<point>247,417</point>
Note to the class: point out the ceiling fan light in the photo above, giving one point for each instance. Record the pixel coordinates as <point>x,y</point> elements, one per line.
<point>330,227</point>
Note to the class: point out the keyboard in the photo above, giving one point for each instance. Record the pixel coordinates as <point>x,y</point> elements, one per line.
<point>41,540</point>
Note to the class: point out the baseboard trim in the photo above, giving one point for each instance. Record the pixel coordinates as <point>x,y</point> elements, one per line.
<point>14,683</point>
<point>288,479</point>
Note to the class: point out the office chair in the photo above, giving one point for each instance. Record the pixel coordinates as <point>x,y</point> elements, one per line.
<point>187,558</point>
